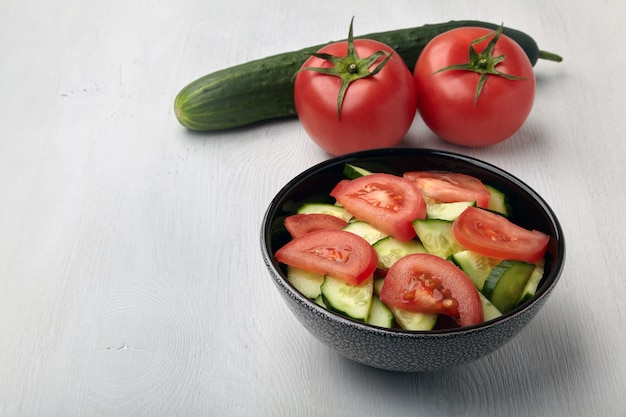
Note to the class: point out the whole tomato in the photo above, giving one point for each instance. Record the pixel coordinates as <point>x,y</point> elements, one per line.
<point>475,87</point>
<point>347,103</point>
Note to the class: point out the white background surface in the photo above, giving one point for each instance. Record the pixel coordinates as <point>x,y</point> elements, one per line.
<point>131,280</point>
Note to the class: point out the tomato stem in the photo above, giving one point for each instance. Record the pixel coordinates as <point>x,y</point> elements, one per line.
<point>350,68</point>
<point>483,63</point>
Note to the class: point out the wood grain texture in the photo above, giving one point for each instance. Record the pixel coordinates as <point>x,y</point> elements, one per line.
<point>131,281</point>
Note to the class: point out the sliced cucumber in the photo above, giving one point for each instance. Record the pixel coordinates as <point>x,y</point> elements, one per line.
<point>366,231</point>
<point>437,238</point>
<point>389,250</point>
<point>533,282</point>
<point>379,315</point>
<point>506,282</point>
<point>353,171</point>
<point>308,283</point>
<point>409,320</point>
<point>477,267</point>
<point>490,311</point>
<point>498,201</point>
<point>351,300</point>
<point>447,211</point>
<point>320,301</point>
<point>334,210</point>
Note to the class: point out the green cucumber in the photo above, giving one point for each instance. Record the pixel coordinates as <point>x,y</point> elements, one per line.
<point>490,311</point>
<point>389,250</point>
<point>319,300</point>
<point>323,208</point>
<point>437,238</point>
<point>533,282</point>
<point>263,89</point>
<point>366,231</point>
<point>379,315</point>
<point>308,283</point>
<point>498,202</point>
<point>477,267</point>
<point>409,320</point>
<point>350,300</point>
<point>506,282</point>
<point>447,211</point>
<point>353,171</point>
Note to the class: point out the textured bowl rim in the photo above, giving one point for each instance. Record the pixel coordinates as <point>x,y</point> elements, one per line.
<point>281,281</point>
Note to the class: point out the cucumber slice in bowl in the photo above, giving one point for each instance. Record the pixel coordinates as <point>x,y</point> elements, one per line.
<point>533,282</point>
<point>476,266</point>
<point>350,300</point>
<point>353,171</point>
<point>506,282</point>
<point>308,283</point>
<point>389,250</point>
<point>324,208</point>
<point>366,231</point>
<point>436,236</point>
<point>380,315</point>
<point>409,320</point>
<point>447,211</point>
<point>498,201</point>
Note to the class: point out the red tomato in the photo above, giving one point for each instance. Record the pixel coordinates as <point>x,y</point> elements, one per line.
<point>449,187</point>
<point>492,235</point>
<point>426,283</point>
<point>340,254</point>
<point>377,111</point>
<point>446,100</point>
<point>300,224</point>
<point>388,202</point>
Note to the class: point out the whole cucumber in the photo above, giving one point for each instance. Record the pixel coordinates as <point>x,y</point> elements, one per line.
<point>263,89</point>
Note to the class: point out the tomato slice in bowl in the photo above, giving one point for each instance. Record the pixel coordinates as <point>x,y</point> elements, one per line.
<point>337,253</point>
<point>300,224</point>
<point>492,235</point>
<point>387,202</point>
<point>449,187</point>
<point>426,283</point>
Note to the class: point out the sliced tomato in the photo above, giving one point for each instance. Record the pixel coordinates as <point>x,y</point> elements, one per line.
<point>495,236</point>
<point>426,283</point>
<point>337,253</point>
<point>300,224</point>
<point>449,187</point>
<point>388,202</point>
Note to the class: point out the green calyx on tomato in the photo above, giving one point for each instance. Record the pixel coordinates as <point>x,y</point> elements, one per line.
<point>351,67</point>
<point>483,63</point>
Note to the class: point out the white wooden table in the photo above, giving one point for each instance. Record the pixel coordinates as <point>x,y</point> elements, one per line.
<point>131,280</point>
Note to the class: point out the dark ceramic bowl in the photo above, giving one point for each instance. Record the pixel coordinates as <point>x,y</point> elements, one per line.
<point>397,349</point>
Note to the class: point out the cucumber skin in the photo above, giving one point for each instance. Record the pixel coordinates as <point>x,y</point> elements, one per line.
<point>263,89</point>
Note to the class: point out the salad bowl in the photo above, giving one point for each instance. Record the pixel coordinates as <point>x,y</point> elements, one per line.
<point>396,349</point>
